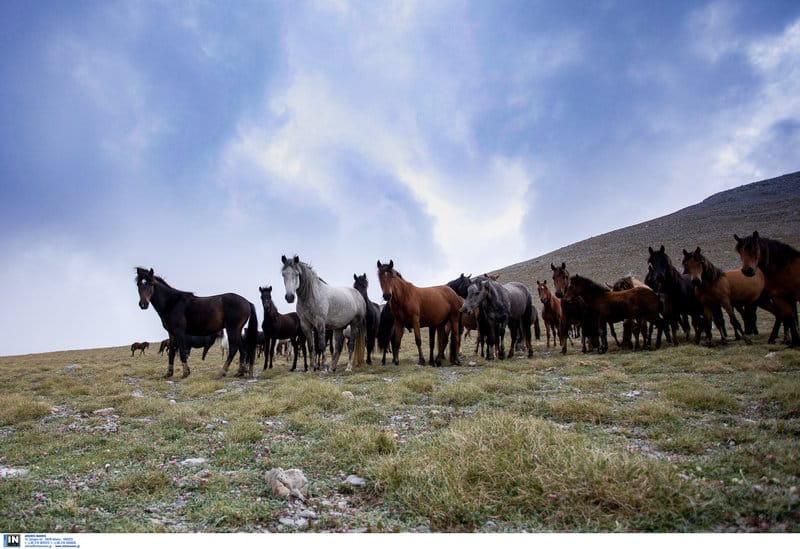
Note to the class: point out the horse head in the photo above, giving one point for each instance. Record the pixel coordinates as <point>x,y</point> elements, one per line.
<point>694,265</point>
<point>560,279</point>
<point>145,285</point>
<point>749,250</point>
<point>266,295</point>
<point>291,276</point>
<point>386,277</point>
<point>543,290</point>
<point>475,294</point>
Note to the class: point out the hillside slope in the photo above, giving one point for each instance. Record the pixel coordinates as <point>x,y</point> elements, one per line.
<point>771,206</point>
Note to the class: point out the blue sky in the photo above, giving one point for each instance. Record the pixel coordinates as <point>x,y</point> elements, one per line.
<point>206,139</point>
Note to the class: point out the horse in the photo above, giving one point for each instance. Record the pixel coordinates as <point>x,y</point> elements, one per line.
<point>473,320</point>
<point>385,331</point>
<point>163,346</point>
<point>433,306</point>
<point>199,342</point>
<point>551,312</point>
<point>610,306</point>
<point>321,307</point>
<point>780,264</point>
<point>277,326</point>
<point>503,305</point>
<point>183,314</point>
<point>713,289</point>
<point>575,313</point>
<point>495,306</point>
<point>631,327</point>
<point>678,300</point>
<point>136,346</point>
<point>361,284</point>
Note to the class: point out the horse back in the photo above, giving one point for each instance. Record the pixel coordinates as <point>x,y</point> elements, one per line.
<point>633,303</point>
<point>436,305</point>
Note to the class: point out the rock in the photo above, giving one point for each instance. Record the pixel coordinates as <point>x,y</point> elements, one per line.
<point>71,367</point>
<point>104,412</point>
<point>193,461</point>
<point>771,354</point>
<point>13,472</point>
<point>291,482</point>
<point>348,394</point>
<point>354,480</point>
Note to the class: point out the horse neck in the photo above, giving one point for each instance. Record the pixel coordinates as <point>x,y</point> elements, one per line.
<point>164,297</point>
<point>310,284</point>
<point>711,271</point>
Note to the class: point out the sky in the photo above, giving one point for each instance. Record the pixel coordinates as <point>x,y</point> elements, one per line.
<point>207,139</point>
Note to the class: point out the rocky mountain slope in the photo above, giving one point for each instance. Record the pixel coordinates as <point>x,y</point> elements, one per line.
<point>771,206</point>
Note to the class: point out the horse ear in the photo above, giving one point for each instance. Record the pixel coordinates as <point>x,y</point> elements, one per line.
<point>260,289</point>
<point>755,235</point>
<point>697,251</point>
<point>296,259</point>
<point>685,253</point>
<point>736,237</point>
<point>355,277</point>
<point>663,250</point>
<point>650,250</point>
<point>365,276</point>
<point>379,264</point>
<point>283,259</point>
<point>563,265</point>
<point>391,263</point>
<point>269,289</point>
<point>151,271</point>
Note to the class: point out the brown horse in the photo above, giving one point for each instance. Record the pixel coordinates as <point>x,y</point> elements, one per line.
<point>610,306</point>
<point>713,289</point>
<point>551,312</point>
<point>184,314</point>
<point>163,346</point>
<point>435,306</point>
<point>136,346</point>
<point>780,264</point>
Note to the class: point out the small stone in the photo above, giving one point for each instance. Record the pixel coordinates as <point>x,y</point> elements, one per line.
<point>71,367</point>
<point>194,461</point>
<point>104,412</point>
<point>13,472</point>
<point>348,394</point>
<point>220,391</point>
<point>354,480</point>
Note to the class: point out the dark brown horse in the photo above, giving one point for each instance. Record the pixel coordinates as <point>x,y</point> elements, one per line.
<point>414,307</point>
<point>678,300</point>
<point>163,346</point>
<point>277,326</point>
<point>184,314</point>
<point>610,306</point>
<point>713,289</point>
<point>780,264</point>
<point>137,346</point>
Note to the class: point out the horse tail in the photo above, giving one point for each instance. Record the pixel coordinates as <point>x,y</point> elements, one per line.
<point>537,330</point>
<point>252,336</point>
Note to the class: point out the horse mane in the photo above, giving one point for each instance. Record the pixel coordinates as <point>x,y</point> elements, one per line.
<point>141,272</point>
<point>779,254</point>
<point>710,269</point>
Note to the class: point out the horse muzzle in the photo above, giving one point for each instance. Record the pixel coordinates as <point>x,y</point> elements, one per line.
<point>387,297</point>
<point>748,271</point>
<point>289,298</point>
<point>560,294</point>
<point>696,282</point>
<point>144,304</point>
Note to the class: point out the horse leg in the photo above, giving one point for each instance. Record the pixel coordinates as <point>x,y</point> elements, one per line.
<point>455,340</point>
<point>418,341</point>
<point>396,339</point>
<point>431,341</point>
<point>171,348</point>
<point>184,354</point>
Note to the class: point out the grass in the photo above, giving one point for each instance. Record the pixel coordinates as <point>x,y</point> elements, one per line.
<point>689,438</point>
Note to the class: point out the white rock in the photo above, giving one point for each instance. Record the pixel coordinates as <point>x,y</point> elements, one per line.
<point>291,482</point>
<point>193,461</point>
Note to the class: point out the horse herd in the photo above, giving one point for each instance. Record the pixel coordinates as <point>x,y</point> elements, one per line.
<point>668,300</point>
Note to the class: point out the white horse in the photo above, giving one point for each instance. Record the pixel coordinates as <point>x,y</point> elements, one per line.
<point>322,307</point>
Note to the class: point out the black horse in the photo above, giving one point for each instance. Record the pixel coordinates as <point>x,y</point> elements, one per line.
<point>279,326</point>
<point>373,313</point>
<point>493,316</point>
<point>198,342</point>
<point>675,290</point>
<point>184,314</point>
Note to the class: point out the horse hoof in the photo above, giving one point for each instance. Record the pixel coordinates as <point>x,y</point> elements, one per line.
<point>185,375</point>
<point>167,375</point>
